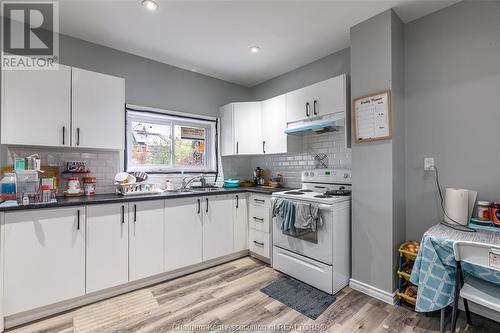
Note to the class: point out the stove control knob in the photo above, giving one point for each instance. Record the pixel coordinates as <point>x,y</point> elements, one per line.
<point>346,175</point>
<point>312,174</point>
<point>306,174</point>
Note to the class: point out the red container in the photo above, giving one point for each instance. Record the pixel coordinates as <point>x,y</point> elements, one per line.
<point>495,214</point>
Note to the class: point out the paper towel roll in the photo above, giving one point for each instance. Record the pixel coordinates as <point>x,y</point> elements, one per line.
<point>456,205</point>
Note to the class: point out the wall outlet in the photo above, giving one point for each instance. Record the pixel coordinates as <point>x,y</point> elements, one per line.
<point>428,163</point>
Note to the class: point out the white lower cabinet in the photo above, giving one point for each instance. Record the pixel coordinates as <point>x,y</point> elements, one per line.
<point>259,222</point>
<point>44,257</point>
<point>107,246</point>
<point>146,239</point>
<point>218,226</point>
<point>183,232</point>
<point>54,255</point>
<point>240,204</point>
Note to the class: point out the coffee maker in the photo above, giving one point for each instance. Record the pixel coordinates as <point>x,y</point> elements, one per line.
<point>258,176</point>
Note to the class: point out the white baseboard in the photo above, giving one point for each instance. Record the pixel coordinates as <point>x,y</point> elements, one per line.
<point>372,291</point>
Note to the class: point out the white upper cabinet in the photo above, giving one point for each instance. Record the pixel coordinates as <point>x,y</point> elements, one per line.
<point>227,130</point>
<point>183,232</point>
<point>146,239</point>
<point>298,104</point>
<point>107,246</point>
<point>241,129</point>
<point>255,128</point>
<point>98,106</point>
<point>217,226</point>
<point>274,139</point>
<point>44,258</point>
<point>36,107</point>
<point>319,99</point>
<point>63,107</point>
<point>247,128</point>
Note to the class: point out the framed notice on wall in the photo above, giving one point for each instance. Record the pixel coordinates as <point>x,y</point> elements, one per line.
<point>372,117</point>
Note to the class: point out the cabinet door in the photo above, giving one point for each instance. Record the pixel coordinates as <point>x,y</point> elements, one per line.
<point>275,141</point>
<point>247,128</point>
<point>107,246</point>
<point>44,254</point>
<point>298,105</point>
<point>146,243</point>
<point>329,96</point>
<point>240,204</point>
<point>226,130</point>
<point>183,232</point>
<point>218,226</point>
<point>36,106</point>
<point>98,110</point>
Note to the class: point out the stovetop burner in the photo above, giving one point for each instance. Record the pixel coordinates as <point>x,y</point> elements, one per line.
<point>294,193</point>
<point>306,191</point>
<point>323,196</point>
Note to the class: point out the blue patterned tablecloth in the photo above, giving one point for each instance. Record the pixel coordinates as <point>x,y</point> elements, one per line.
<point>434,269</point>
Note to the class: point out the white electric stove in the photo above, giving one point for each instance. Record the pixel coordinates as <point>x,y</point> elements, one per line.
<point>320,258</point>
<point>326,186</point>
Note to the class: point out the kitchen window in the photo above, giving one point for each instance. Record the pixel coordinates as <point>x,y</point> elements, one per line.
<point>169,143</point>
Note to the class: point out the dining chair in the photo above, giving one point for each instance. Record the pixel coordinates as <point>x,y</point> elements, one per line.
<point>474,289</point>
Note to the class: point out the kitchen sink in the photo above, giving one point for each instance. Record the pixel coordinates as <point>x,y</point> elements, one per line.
<point>204,189</point>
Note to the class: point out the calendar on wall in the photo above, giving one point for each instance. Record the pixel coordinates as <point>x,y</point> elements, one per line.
<point>372,117</point>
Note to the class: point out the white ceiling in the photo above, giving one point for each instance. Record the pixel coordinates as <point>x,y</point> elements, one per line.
<point>213,37</point>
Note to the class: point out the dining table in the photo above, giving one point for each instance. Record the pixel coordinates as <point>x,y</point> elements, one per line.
<point>435,266</point>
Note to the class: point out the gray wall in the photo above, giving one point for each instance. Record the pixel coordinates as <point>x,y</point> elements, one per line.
<point>374,186</point>
<point>453,106</point>
<point>151,83</point>
<point>330,66</point>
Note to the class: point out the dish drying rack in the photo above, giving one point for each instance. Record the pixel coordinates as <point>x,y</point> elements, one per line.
<point>139,188</point>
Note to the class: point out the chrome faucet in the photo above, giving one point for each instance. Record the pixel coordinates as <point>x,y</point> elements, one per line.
<point>201,178</point>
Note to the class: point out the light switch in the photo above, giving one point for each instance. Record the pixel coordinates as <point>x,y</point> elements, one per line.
<point>428,163</point>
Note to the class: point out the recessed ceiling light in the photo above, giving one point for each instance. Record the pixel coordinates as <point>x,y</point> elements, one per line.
<point>150,4</point>
<point>254,49</point>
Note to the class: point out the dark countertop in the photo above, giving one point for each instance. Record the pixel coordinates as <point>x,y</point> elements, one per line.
<point>116,198</point>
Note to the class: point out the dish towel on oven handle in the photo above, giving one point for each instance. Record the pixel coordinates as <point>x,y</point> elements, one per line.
<point>307,216</point>
<point>284,211</point>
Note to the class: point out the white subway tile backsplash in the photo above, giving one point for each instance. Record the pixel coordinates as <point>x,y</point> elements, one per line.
<point>291,165</point>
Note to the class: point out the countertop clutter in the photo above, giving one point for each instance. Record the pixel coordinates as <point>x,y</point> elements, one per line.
<point>114,198</point>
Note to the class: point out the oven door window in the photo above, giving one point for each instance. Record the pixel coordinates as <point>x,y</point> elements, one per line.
<point>307,235</point>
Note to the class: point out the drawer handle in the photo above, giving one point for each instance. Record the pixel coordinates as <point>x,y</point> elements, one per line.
<point>259,200</point>
<point>258,219</point>
<point>258,243</point>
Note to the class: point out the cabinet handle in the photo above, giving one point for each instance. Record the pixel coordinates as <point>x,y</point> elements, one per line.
<point>135,213</point>
<point>264,147</point>
<point>258,243</point>
<point>123,214</point>
<point>258,219</point>
<point>237,150</point>
<point>237,201</point>
<point>199,206</point>
<point>206,210</point>
<point>259,200</point>
<point>315,110</point>
<point>64,135</point>
<point>78,219</point>
<point>78,136</point>
<point>307,110</point>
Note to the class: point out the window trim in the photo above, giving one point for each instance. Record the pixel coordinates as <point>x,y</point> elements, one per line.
<point>187,116</point>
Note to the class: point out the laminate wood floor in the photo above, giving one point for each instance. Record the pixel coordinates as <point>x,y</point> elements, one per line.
<point>227,298</point>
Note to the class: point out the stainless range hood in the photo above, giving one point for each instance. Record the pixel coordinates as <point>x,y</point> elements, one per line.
<point>318,126</point>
